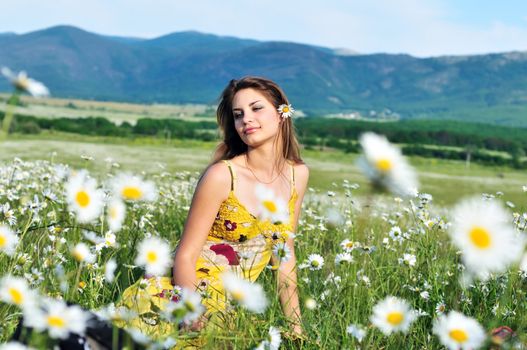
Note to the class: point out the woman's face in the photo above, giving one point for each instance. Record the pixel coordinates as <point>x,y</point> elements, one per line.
<point>255,118</point>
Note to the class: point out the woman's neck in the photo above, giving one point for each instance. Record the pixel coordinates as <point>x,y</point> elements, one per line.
<point>265,161</point>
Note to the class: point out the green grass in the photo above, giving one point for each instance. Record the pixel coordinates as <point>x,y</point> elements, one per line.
<point>446,180</point>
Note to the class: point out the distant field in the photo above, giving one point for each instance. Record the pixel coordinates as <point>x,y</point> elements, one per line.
<point>446,180</point>
<point>113,111</point>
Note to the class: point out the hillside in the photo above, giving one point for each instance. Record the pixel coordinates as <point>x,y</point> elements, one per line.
<point>191,67</point>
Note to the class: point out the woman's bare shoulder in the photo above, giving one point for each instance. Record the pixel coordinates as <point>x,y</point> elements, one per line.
<point>301,170</point>
<point>217,175</point>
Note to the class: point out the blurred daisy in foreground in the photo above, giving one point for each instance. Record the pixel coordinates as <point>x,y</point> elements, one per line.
<point>247,294</point>
<point>457,331</point>
<point>84,199</point>
<point>15,291</point>
<point>187,309</point>
<point>385,165</point>
<point>81,253</point>
<point>109,270</point>
<point>116,214</point>
<point>58,319</point>
<point>271,207</point>
<point>273,341</point>
<point>8,240</point>
<point>392,315</point>
<point>133,188</point>
<point>154,254</point>
<point>13,345</point>
<point>22,83</point>
<point>313,262</point>
<point>356,331</point>
<point>484,233</point>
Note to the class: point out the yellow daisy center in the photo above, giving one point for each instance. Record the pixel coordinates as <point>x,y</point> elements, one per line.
<point>3,241</point>
<point>113,213</point>
<point>383,165</point>
<point>395,318</point>
<point>285,109</point>
<point>132,193</point>
<point>82,284</point>
<point>480,237</point>
<point>56,321</point>
<point>16,296</point>
<point>237,295</point>
<point>151,257</point>
<point>270,206</point>
<point>78,255</point>
<point>315,263</point>
<point>82,199</point>
<point>350,245</point>
<point>458,335</point>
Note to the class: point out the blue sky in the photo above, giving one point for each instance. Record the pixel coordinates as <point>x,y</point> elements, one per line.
<point>418,27</point>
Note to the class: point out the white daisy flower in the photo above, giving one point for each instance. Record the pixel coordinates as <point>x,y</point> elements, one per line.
<point>13,345</point>
<point>457,331</point>
<point>440,308</point>
<point>8,240</point>
<point>84,199</point>
<point>273,341</point>
<point>310,303</point>
<point>286,110</point>
<point>81,253</point>
<point>314,262</point>
<point>109,270</point>
<point>154,255</point>
<point>483,231</point>
<point>282,251</point>
<point>248,294</point>
<point>392,315</point>
<point>21,82</point>
<point>408,260</point>
<point>15,290</point>
<point>271,207</point>
<point>348,245</point>
<point>133,188</point>
<point>343,257</point>
<point>385,165</point>
<point>356,331</point>
<point>116,214</point>
<point>187,309</point>
<point>57,318</point>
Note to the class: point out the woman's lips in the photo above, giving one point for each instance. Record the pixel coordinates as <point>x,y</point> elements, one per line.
<point>250,131</point>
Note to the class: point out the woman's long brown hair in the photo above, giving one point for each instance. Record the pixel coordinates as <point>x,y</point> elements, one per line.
<point>232,145</point>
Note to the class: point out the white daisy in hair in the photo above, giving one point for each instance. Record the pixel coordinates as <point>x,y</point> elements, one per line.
<point>23,83</point>
<point>16,291</point>
<point>286,110</point>
<point>392,315</point>
<point>133,188</point>
<point>483,231</point>
<point>57,318</point>
<point>248,294</point>
<point>154,254</point>
<point>457,331</point>
<point>84,198</point>
<point>385,165</point>
<point>8,240</point>
<point>270,206</point>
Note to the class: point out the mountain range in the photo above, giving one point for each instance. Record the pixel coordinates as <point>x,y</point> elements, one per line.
<point>193,67</point>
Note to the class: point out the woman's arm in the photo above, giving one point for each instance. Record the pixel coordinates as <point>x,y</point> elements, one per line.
<point>287,279</point>
<point>210,192</point>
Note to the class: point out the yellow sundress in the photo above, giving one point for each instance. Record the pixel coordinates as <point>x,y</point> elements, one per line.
<point>237,242</point>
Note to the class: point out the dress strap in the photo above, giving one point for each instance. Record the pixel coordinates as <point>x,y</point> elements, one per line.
<point>292,178</point>
<point>233,174</point>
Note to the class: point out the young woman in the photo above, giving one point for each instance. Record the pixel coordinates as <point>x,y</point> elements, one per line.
<point>223,232</point>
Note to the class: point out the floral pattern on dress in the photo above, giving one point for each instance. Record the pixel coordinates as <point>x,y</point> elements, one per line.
<point>230,225</point>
